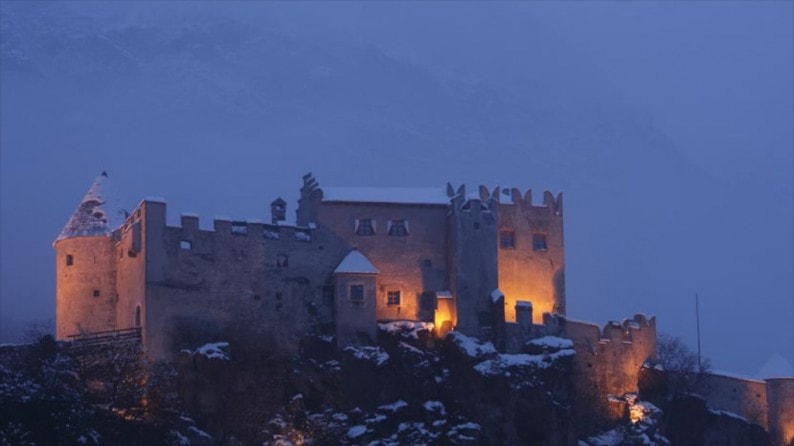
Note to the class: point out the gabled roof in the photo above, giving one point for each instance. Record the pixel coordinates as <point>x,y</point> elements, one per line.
<point>402,195</point>
<point>355,263</point>
<point>97,214</point>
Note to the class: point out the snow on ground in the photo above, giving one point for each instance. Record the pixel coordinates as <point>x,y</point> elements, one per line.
<point>609,438</point>
<point>470,346</point>
<point>504,362</point>
<point>435,406</point>
<point>375,355</point>
<point>552,342</point>
<point>214,350</point>
<point>393,407</point>
<point>406,328</point>
<point>356,431</point>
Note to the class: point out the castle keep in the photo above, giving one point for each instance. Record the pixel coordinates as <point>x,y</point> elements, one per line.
<point>489,264</point>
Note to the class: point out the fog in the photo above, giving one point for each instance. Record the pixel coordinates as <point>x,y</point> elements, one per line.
<point>668,126</point>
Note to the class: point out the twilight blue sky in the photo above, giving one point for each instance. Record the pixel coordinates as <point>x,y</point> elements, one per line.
<point>668,126</point>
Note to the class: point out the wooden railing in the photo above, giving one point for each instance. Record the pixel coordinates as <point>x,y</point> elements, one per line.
<point>103,337</point>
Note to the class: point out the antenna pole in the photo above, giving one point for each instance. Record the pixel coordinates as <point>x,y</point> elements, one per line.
<point>697,317</point>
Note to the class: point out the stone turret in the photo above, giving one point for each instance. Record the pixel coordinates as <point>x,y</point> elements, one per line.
<point>85,265</point>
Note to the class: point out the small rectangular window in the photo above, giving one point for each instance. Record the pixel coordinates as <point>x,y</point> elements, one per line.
<point>96,293</point>
<point>539,242</point>
<point>357,293</point>
<point>328,295</point>
<point>393,298</point>
<point>364,226</point>
<point>398,228</point>
<point>69,260</point>
<point>427,263</point>
<point>507,239</point>
<point>186,245</point>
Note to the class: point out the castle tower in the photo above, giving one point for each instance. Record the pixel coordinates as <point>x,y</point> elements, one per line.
<point>472,262</point>
<point>86,267</point>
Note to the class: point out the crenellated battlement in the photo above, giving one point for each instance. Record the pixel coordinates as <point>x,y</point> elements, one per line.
<point>221,225</point>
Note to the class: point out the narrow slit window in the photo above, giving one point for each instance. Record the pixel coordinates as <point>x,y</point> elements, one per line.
<point>69,260</point>
<point>96,293</point>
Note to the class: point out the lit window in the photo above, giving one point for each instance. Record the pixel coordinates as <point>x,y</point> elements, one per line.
<point>186,245</point>
<point>365,227</point>
<point>398,228</point>
<point>69,260</point>
<point>357,293</point>
<point>539,242</point>
<point>393,298</point>
<point>507,239</point>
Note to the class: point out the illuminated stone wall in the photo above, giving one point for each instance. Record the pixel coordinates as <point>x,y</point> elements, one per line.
<point>611,358</point>
<point>527,272</point>
<point>85,294</point>
<point>780,394</point>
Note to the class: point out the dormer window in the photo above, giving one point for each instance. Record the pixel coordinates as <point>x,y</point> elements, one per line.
<point>365,226</point>
<point>398,228</point>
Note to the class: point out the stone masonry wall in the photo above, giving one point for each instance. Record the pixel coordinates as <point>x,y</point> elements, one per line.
<point>525,273</point>
<point>85,295</point>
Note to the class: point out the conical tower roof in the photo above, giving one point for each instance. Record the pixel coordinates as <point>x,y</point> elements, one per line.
<point>98,213</point>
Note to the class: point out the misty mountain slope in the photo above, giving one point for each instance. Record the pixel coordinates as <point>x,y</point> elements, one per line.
<point>222,112</point>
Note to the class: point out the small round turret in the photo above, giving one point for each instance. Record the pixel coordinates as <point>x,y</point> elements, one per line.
<point>86,266</point>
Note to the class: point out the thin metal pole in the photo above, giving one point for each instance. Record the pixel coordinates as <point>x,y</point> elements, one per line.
<point>697,317</point>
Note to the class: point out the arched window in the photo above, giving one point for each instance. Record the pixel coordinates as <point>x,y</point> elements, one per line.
<point>138,316</point>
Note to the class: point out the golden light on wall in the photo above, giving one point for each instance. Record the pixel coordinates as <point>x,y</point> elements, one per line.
<point>446,317</point>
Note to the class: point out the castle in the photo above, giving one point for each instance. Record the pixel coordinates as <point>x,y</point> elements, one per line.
<point>489,264</point>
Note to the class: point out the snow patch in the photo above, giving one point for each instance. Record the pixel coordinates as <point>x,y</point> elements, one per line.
<point>215,350</point>
<point>406,195</point>
<point>408,329</point>
<point>375,355</point>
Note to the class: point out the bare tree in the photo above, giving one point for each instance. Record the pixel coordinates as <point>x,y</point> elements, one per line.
<point>680,365</point>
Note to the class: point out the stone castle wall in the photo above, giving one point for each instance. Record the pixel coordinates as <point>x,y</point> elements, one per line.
<point>611,358</point>
<point>780,399</point>
<point>86,289</point>
<point>527,273</point>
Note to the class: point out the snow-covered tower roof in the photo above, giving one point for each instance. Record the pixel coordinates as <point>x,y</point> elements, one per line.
<point>98,213</point>
<point>355,263</point>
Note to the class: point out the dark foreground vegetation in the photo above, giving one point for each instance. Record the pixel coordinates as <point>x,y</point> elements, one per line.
<point>410,389</point>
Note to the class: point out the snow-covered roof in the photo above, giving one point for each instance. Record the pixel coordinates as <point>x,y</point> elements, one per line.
<point>776,367</point>
<point>404,195</point>
<point>355,263</point>
<point>98,213</point>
